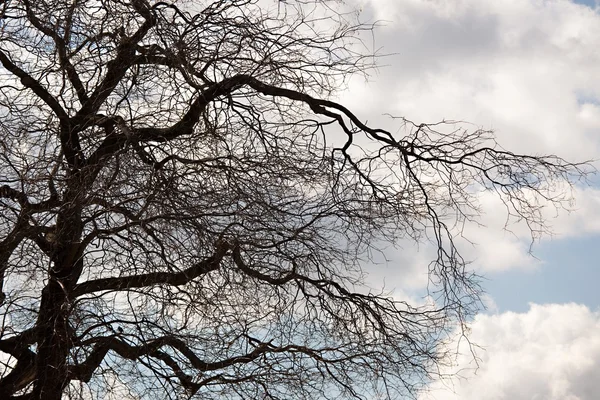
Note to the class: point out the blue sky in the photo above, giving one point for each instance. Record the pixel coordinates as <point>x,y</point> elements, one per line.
<point>530,71</point>
<point>570,273</point>
<point>590,3</point>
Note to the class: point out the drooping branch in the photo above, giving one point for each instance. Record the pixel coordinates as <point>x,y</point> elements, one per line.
<point>369,306</point>
<point>155,348</point>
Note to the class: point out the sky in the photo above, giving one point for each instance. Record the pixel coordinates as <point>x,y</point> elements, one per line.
<point>530,71</point>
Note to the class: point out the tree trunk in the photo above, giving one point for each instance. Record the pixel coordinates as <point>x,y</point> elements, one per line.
<point>54,334</point>
<point>53,343</point>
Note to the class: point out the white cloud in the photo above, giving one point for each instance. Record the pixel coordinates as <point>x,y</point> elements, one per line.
<point>524,68</point>
<point>552,352</point>
<point>528,69</point>
<point>400,268</point>
<point>585,217</point>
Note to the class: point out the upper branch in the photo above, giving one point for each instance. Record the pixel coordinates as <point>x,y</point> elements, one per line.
<point>69,139</point>
<point>119,65</point>
<point>61,47</point>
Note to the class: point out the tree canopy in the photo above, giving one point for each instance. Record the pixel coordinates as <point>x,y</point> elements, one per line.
<point>187,211</point>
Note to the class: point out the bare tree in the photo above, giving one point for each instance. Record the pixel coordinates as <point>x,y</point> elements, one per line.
<point>185,211</point>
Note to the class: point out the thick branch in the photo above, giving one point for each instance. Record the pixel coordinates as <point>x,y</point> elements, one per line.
<point>34,86</point>
<point>69,139</point>
<point>184,126</point>
<point>152,348</point>
<point>23,373</point>
<point>8,192</point>
<point>119,65</point>
<point>155,278</point>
